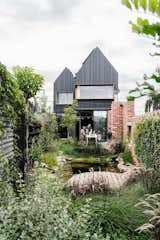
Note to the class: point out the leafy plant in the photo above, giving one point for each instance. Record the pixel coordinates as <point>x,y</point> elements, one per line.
<point>43,212</point>
<point>126,154</point>
<point>147,148</point>
<point>70,118</point>
<point>151,30</point>
<point>48,131</point>
<point>35,154</point>
<point>115,214</point>
<point>50,158</point>
<point>29,83</point>
<point>151,206</point>
<point>11,98</point>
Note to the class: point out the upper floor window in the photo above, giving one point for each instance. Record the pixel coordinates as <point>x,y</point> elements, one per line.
<point>64,98</point>
<point>94,92</point>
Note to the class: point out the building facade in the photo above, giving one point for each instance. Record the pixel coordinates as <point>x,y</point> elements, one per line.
<point>95,86</point>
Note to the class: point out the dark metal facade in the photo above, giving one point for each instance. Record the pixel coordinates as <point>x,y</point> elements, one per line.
<point>96,105</point>
<point>97,70</point>
<point>63,84</point>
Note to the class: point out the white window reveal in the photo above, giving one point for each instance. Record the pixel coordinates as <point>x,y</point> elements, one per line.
<point>94,92</point>
<point>64,98</point>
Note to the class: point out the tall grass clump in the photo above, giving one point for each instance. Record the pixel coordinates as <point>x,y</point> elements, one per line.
<point>116,214</point>
<point>150,206</point>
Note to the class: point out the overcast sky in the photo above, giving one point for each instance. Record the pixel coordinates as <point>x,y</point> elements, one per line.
<point>50,35</point>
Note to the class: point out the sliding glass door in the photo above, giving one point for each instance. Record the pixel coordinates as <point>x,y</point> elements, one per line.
<point>100,123</point>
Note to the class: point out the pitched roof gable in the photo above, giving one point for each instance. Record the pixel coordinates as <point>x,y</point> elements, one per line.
<point>65,81</point>
<point>96,69</point>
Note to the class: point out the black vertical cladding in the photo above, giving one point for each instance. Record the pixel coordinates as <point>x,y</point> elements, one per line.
<point>96,69</point>
<point>63,84</point>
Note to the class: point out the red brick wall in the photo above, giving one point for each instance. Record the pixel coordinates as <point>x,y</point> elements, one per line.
<point>120,118</point>
<point>115,120</point>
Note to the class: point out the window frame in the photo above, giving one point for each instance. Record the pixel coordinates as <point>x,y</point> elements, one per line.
<point>78,92</point>
<point>57,98</point>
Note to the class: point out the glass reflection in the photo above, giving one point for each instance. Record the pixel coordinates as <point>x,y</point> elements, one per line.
<point>100,123</point>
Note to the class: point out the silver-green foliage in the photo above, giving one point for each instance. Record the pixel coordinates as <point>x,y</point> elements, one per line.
<point>43,213</point>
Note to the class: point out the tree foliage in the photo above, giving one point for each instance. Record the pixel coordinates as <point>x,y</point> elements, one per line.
<point>15,91</point>
<point>144,26</point>
<point>48,131</point>
<point>70,117</point>
<point>29,82</point>
<point>149,90</point>
<point>152,6</point>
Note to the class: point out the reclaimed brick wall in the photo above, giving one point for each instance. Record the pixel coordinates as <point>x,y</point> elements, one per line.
<point>120,118</point>
<point>115,120</point>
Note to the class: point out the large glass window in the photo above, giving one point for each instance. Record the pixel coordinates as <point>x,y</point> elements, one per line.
<point>94,92</point>
<point>64,98</point>
<point>100,122</point>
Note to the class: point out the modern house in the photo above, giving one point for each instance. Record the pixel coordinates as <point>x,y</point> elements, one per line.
<point>95,86</point>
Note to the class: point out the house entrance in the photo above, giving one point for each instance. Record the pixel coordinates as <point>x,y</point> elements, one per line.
<point>86,119</point>
<point>97,121</point>
<point>62,131</point>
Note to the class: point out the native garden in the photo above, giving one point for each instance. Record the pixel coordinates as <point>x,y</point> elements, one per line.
<point>90,187</point>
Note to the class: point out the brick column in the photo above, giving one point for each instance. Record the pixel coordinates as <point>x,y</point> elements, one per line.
<point>120,118</point>
<point>115,120</point>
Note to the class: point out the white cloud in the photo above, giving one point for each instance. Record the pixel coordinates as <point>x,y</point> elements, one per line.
<point>52,34</point>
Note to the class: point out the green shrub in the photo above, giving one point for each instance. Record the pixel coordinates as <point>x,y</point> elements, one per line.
<point>126,154</point>
<point>43,212</point>
<point>35,154</point>
<point>147,148</point>
<point>48,132</point>
<point>115,214</point>
<point>50,159</point>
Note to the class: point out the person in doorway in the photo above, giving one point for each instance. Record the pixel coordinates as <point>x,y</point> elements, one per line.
<point>99,136</point>
<point>89,128</point>
<point>109,134</point>
<point>82,134</point>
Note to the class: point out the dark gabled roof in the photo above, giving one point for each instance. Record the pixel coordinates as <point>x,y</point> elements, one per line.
<point>96,69</point>
<point>65,81</point>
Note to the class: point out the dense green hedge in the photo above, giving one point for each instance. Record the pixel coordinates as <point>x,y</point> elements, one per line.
<point>147,148</point>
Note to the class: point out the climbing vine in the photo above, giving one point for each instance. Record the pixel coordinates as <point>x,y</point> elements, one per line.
<point>16,89</point>
<point>11,97</point>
